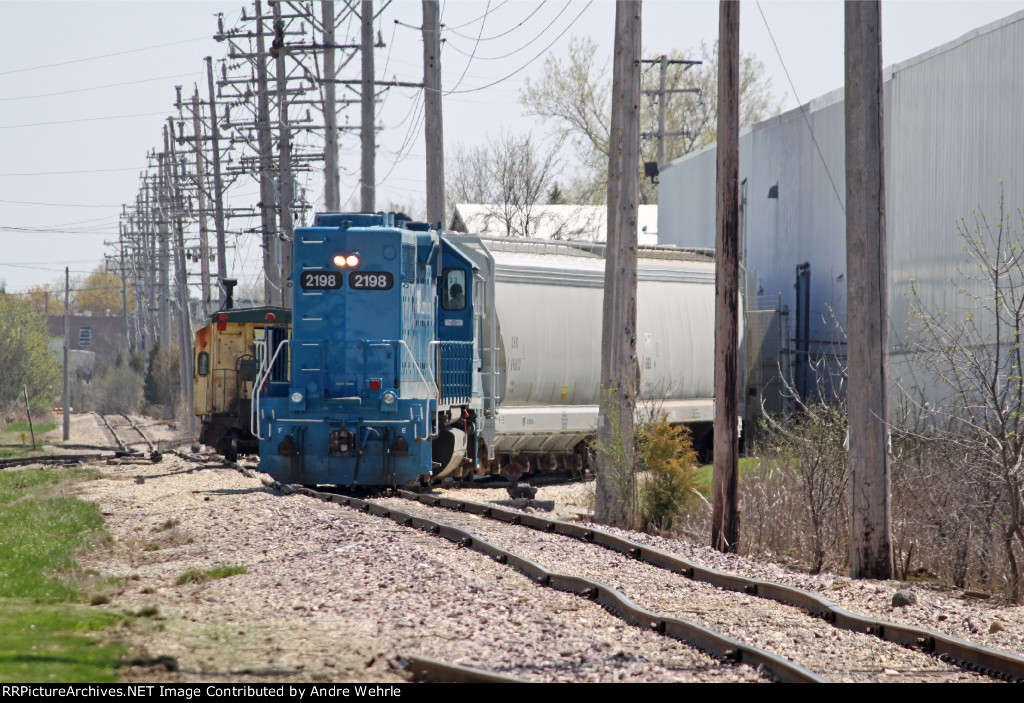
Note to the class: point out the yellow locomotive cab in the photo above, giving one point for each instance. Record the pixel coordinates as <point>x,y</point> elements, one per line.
<point>225,368</point>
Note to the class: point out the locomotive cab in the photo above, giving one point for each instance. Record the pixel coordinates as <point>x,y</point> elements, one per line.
<point>224,374</point>
<point>378,365</point>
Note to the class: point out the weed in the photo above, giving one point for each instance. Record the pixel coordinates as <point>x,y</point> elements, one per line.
<point>218,572</point>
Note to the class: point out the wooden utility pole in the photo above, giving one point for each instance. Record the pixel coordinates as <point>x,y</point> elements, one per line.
<point>725,526</point>
<point>122,226</point>
<point>616,478</point>
<point>163,202</point>
<point>368,179</point>
<point>204,233</point>
<point>331,181</point>
<point>66,396</point>
<point>661,95</point>
<point>866,295</point>
<point>284,155</point>
<point>432,119</point>
<point>176,210</point>
<point>271,246</point>
<point>218,181</point>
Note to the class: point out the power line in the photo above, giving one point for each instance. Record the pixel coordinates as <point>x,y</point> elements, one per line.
<point>62,173</point>
<point>482,23</point>
<point>516,51</point>
<point>803,112</point>
<point>29,202</point>
<point>466,24</point>
<point>498,36</point>
<point>539,54</point>
<point>97,87</point>
<point>81,119</point>
<point>103,56</point>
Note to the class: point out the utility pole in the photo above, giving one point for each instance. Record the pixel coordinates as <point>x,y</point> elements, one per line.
<point>331,183</point>
<point>204,243</point>
<point>866,295</point>
<point>218,182</point>
<point>164,254</point>
<point>271,263</point>
<point>367,134</point>
<point>432,119</point>
<point>65,396</point>
<point>284,146</point>
<point>661,95</point>
<point>616,477</point>
<point>149,263</point>
<point>724,514</point>
<point>124,288</point>
<point>181,284</point>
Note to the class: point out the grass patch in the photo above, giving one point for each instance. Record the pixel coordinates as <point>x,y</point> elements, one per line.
<point>705,474</point>
<point>218,572</point>
<point>52,643</point>
<point>38,427</point>
<point>44,630</point>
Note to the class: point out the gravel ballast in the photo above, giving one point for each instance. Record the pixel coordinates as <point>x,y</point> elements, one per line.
<point>333,594</point>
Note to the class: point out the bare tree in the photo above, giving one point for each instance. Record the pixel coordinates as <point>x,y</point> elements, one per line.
<point>508,174</point>
<point>574,97</point>
<point>976,361</point>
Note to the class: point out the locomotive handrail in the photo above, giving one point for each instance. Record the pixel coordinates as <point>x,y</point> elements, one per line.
<point>426,416</point>
<point>419,371</point>
<point>264,373</point>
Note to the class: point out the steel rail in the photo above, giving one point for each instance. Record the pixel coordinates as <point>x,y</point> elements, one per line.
<point>432,670</point>
<point>63,459</point>
<point>146,439</point>
<point>985,660</point>
<point>721,646</point>
<point>121,446</point>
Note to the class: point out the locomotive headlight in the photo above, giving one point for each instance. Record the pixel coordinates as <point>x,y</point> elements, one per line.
<point>296,397</point>
<point>389,397</point>
<point>349,260</point>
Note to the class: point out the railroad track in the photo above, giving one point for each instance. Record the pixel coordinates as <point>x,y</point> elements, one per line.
<point>854,647</point>
<point>720,646</point>
<point>948,654</point>
<point>124,448</point>
<point>617,573</point>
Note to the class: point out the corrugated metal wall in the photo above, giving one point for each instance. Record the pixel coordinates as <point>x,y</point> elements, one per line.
<point>955,134</point>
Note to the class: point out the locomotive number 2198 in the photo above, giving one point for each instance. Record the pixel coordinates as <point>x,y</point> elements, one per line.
<point>371,281</point>
<point>320,280</point>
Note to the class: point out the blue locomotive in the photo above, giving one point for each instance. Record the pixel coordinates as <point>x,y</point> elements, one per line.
<point>375,384</point>
<point>414,354</point>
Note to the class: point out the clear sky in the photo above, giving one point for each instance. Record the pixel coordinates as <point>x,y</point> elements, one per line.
<point>85,87</point>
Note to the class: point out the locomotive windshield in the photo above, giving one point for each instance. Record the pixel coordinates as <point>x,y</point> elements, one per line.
<point>454,291</point>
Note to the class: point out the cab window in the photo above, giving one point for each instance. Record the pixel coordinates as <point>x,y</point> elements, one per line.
<point>453,292</point>
<point>203,363</point>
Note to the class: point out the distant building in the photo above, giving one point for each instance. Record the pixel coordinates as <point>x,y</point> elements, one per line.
<point>101,335</point>
<point>565,222</point>
<point>954,142</point>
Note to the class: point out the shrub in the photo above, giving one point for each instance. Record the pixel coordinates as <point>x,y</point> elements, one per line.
<point>666,455</point>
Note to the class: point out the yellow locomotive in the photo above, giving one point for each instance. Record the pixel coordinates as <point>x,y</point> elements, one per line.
<point>225,367</point>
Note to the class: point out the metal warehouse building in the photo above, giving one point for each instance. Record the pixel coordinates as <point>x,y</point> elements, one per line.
<point>954,126</point>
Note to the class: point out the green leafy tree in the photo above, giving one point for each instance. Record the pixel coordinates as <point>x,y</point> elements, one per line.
<point>574,96</point>
<point>46,299</point>
<point>25,358</point>
<point>99,293</point>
